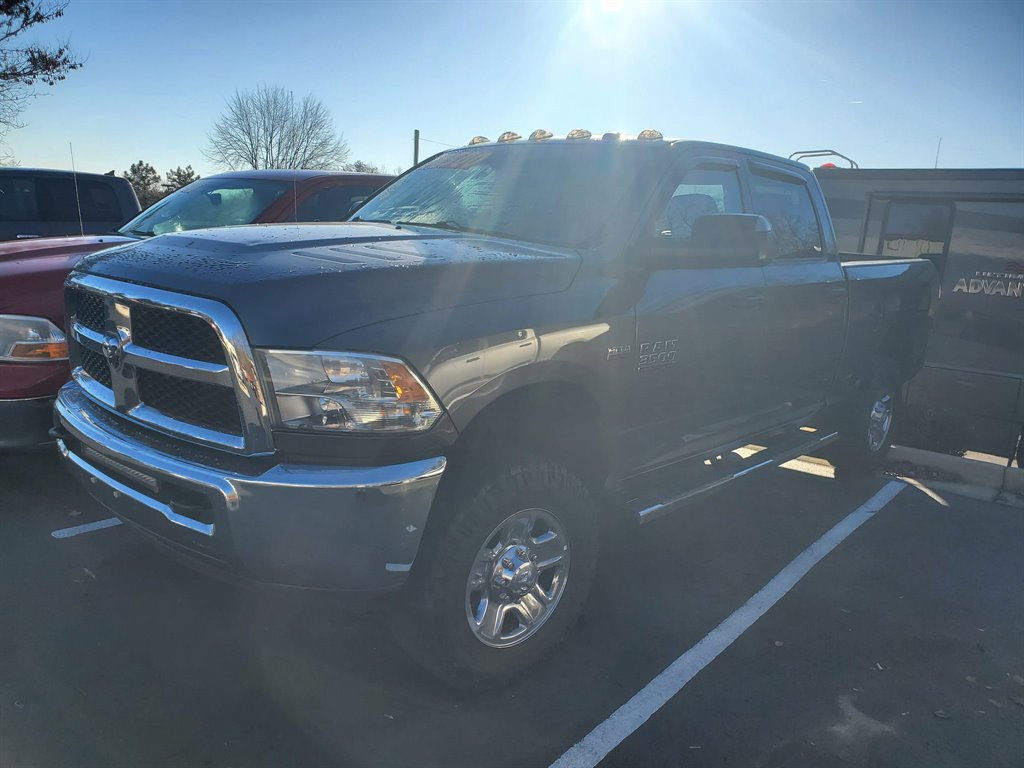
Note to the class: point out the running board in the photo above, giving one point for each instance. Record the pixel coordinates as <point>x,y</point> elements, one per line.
<point>655,511</point>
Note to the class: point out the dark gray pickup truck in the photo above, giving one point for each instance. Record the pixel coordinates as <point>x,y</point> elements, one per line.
<point>507,344</point>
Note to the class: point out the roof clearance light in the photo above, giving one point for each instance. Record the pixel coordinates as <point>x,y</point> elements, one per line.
<point>649,134</point>
<point>578,133</point>
<point>478,140</point>
<point>540,134</point>
<point>611,136</point>
<point>509,136</point>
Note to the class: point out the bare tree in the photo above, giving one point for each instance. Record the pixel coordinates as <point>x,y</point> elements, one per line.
<point>268,128</point>
<point>23,65</point>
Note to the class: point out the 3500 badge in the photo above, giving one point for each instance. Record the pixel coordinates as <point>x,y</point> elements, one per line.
<point>657,353</point>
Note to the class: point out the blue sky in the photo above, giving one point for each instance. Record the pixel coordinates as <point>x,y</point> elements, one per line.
<point>881,82</point>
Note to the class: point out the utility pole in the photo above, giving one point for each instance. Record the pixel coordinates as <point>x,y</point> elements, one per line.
<point>416,147</point>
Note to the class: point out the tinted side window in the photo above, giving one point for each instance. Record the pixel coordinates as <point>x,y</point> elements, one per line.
<point>56,200</point>
<point>786,203</point>
<point>99,201</point>
<point>701,191</point>
<point>53,200</point>
<point>333,203</point>
<point>18,199</point>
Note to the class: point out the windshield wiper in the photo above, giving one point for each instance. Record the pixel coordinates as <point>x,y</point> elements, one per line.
<point>371,221</point>
<point>137,232</point>
<point>452,226</point>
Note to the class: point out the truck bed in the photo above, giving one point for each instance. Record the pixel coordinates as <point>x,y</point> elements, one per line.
<point>887,299</point>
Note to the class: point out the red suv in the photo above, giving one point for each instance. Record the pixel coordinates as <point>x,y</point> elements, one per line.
<point>33,353</point>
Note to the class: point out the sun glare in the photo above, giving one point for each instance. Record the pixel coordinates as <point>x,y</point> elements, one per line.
<point>611,22</point>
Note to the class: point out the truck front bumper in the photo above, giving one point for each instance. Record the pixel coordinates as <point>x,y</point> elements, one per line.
<point>346,528</point>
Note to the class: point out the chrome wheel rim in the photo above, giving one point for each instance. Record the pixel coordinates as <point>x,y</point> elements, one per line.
<point>879,422</point>
<point>518,578</point>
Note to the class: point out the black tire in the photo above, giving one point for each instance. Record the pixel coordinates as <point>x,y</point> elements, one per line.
<point>430,619</point>
<point>861,448</point>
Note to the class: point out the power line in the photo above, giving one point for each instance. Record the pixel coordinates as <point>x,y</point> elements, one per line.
<point>416,139</point>
<point>431,141</point>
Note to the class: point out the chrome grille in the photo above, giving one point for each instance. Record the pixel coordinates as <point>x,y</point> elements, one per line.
<point>177,363</point>
<point>90,310</point>
<point>176,334</point>
<point>96,366</point>
<point>204,405</point>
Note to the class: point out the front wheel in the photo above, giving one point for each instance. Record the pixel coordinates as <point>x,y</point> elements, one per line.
<point>866,432</point>
<point>503,578</point>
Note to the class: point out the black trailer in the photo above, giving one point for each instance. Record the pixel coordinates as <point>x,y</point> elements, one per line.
<point>970,223</point>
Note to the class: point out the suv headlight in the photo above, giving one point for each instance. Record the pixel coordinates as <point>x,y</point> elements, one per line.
<point>30,340</point>
<point>348,392</point>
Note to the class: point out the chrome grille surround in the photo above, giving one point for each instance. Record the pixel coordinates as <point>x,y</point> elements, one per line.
<point>124,357</point>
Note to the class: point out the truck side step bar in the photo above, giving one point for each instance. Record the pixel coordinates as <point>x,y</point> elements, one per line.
<point>718,471</point>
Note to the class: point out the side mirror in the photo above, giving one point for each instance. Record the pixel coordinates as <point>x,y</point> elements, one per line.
<point>718,240</point>
<point>731,239</point>
<point>356,203</point>
<point>215,198</point>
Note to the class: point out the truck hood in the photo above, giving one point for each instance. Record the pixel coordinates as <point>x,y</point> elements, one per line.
<point>14,250</point>
<point>296,286</point>
<point>32,272</point>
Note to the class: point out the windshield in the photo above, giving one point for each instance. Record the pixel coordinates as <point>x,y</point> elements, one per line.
<point>548,193</point>
<point>208,203</point>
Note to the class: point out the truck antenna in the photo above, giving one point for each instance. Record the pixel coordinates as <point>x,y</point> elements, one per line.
<point>937,150</point>
<point>78,202</point>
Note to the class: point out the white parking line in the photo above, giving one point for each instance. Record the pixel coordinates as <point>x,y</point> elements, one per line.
<point>593,748</point>
<point>99,525</point>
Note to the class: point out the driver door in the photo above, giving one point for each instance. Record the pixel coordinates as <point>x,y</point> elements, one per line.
<point>699,328</point>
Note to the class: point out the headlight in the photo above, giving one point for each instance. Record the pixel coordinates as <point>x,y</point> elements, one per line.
<point>30,340</point>
<point>348,392</point>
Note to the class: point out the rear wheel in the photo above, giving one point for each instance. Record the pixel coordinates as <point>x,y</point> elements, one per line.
<point>866,432</point>
<point>504,577</point>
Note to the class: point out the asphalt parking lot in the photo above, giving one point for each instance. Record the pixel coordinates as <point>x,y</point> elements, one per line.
<point>903,646</point>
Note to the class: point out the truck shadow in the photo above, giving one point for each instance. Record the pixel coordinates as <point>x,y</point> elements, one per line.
<point>249,673</point>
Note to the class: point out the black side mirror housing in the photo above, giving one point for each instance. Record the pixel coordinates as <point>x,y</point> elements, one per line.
<point>356,203</point>
<point>717,240</point>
